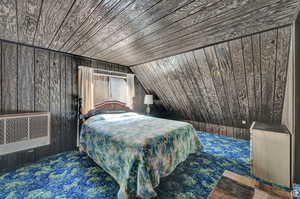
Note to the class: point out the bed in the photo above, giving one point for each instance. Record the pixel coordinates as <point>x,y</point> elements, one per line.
<point>136,150</point>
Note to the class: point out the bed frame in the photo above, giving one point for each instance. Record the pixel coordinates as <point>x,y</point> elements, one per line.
<point>105,106</point>
<point>112,105</point>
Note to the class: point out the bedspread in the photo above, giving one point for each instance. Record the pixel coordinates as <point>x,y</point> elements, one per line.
<point>137,150</point>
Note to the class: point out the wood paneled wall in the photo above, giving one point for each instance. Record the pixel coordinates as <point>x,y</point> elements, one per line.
<point>34,79</point>
<point>228,131</point>
<point>223,84</point>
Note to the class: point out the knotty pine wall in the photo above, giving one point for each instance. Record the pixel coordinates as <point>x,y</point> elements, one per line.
<point>219,86</point>
<point>35,79</point>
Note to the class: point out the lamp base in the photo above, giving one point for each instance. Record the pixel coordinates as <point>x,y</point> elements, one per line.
<point>148,109</point>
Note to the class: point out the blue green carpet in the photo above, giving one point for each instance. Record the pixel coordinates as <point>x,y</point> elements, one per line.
<point>297,190</point>
<point>74,175</point>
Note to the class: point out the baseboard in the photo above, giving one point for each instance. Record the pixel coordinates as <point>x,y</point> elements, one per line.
<point>221,130</point>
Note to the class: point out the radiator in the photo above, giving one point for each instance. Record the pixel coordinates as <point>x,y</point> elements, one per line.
<point>24,131</point>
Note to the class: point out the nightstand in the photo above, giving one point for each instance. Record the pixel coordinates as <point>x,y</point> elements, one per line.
<point>271,153</point>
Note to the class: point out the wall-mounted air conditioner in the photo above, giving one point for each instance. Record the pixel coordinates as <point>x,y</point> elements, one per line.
<point>24,131</point>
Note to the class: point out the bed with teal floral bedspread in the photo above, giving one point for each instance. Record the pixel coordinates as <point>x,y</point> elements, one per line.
<point>137,150</point>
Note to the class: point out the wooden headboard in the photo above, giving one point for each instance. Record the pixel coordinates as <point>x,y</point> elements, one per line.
<point>112,105</point>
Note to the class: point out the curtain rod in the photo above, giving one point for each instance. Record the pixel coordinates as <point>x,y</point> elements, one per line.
<point>115,76</point>
<point>109,71</point>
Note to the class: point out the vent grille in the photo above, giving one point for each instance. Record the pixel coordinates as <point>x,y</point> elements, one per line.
<point>16,130</point>
<point>38,126</point>
<point>24,131</point>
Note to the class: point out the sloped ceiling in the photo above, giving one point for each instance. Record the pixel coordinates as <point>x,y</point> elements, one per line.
<point>131,32</point>
<point>243,79</point>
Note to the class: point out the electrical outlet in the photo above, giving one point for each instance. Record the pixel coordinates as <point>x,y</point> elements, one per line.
<point>30,151</point>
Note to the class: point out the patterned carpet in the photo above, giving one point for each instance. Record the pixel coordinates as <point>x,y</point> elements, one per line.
<point>297,191</point>
<point>73,175</point>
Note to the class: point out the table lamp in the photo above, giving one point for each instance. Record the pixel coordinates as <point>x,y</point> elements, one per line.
<point>148,100</point>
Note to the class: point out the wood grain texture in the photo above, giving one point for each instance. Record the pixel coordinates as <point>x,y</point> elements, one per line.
<point>96,17</point>
<point>77,16</point>
<point>227,73</point>
<point>25,78</point>
<point>52,16</point>
<point>159,87</point>
<point>202,17</point>
<point>283,48</point>
<point>98,64</point>
<point>71,132</point>
<point>74,105</point>
<point>116,12</point>
<point>155,75</point>
<point>55,99</point>
<point>211,94</point>
<point>200,104</point>
<point>255,39</point>
<point>187,90</point>
<point>42,80</point>
<point>268,58</point>
<point>9,78</point>
<point>224,84</point>
<point>180,96</point>
<point>250,75</point>
<point>216,75</point>
<point>8,17</point>
<point>122,20</point>
<point>199,87</point>
<point>243,19</point>
<point>63,115</point>
<point>240,75</point>
<point>149,86</point>
<point>28,19</point>
<point>131,32</point>
<point>172,96</point>
<point>150,17</point>
<point>183,16</point>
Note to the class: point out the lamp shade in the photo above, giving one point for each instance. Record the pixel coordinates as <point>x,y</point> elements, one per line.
<point>148,99</point>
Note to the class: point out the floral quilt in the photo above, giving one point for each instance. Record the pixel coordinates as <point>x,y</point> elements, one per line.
<point>137,150</point>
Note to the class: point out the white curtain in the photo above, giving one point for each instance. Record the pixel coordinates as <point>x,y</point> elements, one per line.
<point>86,88</point>
<point>101,89</point>
<point>118,89</point>
<point>130,90</point>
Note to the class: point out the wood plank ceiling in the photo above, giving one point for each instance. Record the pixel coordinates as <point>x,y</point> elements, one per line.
<point>242,79</point>
<point>131,32</point>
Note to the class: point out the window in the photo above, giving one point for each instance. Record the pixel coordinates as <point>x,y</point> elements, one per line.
<point>109,88</point>
<point>118,89</point>
<point>101,92</point>
<point>95,88</point>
